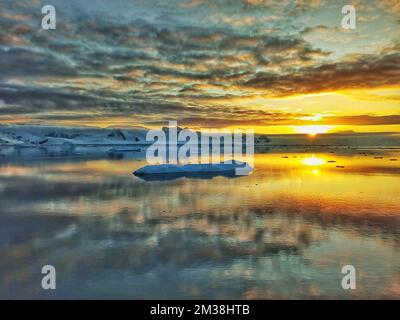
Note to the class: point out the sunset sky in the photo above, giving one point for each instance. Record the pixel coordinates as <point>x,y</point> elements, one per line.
<point>275,66</point>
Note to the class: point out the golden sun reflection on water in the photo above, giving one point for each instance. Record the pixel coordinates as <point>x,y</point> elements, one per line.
<point>313,161</point>
<point>330,180</point>
<point>300,206</point>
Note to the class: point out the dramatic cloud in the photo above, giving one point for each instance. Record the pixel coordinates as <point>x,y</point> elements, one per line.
<point>203,62</point>
<point>362,71</point>
<point>363,120</point>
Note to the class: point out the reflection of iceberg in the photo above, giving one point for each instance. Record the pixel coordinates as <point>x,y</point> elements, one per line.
<point>201,171</point>
<point>122,151</point>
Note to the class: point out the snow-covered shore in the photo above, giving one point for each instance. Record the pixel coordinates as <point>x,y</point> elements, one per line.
<point>42,136</point>
<point>25,141</point>
<point>50,141</point>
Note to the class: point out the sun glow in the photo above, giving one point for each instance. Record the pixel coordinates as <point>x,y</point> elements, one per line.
<point>313,161</point>
<point>313,129</point>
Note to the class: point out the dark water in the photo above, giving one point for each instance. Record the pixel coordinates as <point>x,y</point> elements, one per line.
<point>283,232</point>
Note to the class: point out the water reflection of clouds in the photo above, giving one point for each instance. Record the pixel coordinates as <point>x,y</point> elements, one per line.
<point>228,229</point>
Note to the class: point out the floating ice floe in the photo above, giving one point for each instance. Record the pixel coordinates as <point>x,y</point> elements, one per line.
<point>201,171</point>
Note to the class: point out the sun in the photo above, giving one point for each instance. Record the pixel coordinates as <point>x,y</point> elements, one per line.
<point>312,129</point>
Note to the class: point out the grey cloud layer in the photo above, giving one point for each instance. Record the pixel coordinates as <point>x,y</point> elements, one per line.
<point>170,59</point>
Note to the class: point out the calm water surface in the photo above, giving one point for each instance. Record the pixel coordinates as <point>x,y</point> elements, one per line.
<point>283,232</point>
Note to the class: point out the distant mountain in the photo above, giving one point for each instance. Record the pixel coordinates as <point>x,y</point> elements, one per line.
<point>351,139</point>
<point>41,136</point>
<point>51,135</point>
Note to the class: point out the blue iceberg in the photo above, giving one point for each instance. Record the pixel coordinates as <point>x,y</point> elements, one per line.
<point>201,171</point>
